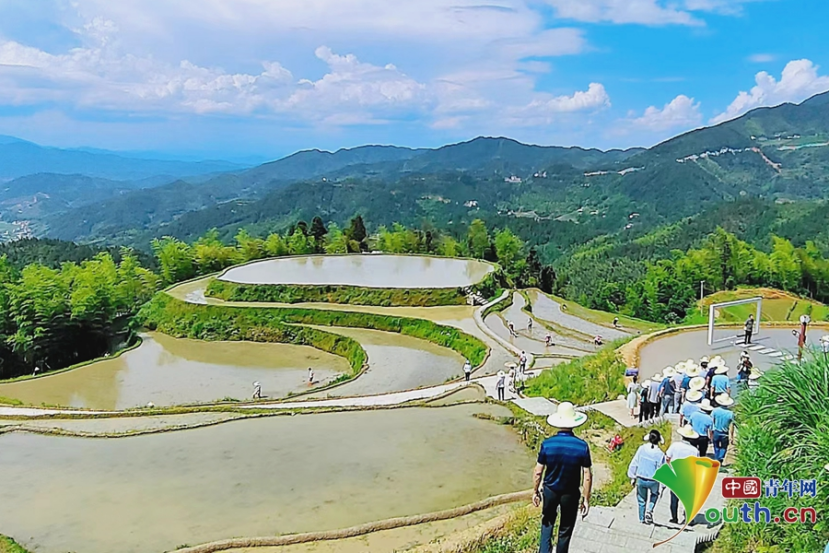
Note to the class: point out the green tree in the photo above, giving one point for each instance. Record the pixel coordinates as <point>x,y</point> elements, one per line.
<point>299,244</point>
<point>248,247</point>
<point>508,248</point>
<point>275,246</point>
<point>478,239</point>
<point>175,259</point>
<point>336,242</point>
<point>211,254</point>
<point>318,232</point>
<point>448,247</point>
<point>357,232</point>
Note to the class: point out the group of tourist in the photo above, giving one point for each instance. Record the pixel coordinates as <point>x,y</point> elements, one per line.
<point>514,379</point>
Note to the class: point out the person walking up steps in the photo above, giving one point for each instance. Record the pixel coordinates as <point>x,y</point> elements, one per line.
<point>563,461</point>
<point>467,370</point>
<point>642,467</point>
<point>681,450</point>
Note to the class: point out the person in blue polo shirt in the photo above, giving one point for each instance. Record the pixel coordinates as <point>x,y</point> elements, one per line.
<point>703,424</point>
<point>562,461</point>
<point>719,382</point>
<point>723,429</point>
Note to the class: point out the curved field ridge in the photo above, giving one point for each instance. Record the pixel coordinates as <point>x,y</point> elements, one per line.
<point>364,271</point>
<point>361,530</point>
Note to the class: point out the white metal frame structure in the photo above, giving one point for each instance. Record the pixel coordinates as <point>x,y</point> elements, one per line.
<point>712,309</point>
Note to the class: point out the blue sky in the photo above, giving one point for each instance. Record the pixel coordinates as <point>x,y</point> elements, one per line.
<point>263,78</point>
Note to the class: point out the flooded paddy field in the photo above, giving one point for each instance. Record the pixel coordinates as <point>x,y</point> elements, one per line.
<point>171,371</point>
<point>368,271</point>
<point>252,477</point>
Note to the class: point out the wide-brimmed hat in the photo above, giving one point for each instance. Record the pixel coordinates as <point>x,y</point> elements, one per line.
<point>692,370</point>
<point>704,359</point>
<point>722,369</point>
<point>696,383</point>
<point>510,365</point>
<point>755,374</point>
<point>566,416</point>
<point>688,431</point>
<point>646,383</point>
<point>256,384</point>
<point>656,377</point>
<point>716,361</point>
<point>668,372</point>
<point>680,367</point>
<point>705,405</point>
<point>693,396</point>
<point>501,374</point>
<point>724,399</point>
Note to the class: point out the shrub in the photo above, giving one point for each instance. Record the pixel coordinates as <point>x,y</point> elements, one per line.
<point>591,379</point>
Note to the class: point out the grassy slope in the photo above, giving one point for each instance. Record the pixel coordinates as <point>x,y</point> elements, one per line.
<point>778,306</point>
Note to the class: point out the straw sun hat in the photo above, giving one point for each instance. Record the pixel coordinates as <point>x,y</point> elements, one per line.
<point>755,374</point>
<point>693,396</point>
<point>697,383</point>
<point>692,370</point>
<point>705,405</point>
<point>722,369</point>
<point>566,416</point>
<point>687,431</point>
<point>668,372</point>
<point>724,399</point>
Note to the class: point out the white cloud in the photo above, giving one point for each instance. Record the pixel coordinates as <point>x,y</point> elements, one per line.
<point>646,12</point>
<point>595,97</point>
<point>681,112</point>
<point>799,81</point>
<point>762,58</point>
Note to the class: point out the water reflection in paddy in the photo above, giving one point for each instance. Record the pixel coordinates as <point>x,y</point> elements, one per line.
<point>373,271</point>
<point>251,478</point>
<point>171,371</point>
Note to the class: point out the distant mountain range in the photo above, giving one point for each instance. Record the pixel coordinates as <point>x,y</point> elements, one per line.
<point>20,158</point>
<point>778,154</point>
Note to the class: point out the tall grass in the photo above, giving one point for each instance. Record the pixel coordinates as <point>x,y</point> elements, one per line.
<point>783,433</point>
<point>591,379</point>
<point>353,295</point>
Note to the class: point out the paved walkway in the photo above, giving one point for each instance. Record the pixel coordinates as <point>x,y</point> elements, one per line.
<point>547,309</point>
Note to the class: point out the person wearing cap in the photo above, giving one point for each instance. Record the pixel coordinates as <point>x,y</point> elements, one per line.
<point>691,406</point>
<point>467,369</point>
<point>563,461</point>
<point>667,391</point>
<point>703,424</point>
<point>500,384</point>
<point>681,450</point>
<point>720,383</point>
<point>723,428</point>
<point>642,468</point>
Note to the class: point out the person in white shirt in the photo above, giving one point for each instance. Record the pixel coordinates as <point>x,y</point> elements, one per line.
<point>467,370</point>
<point>681,450</point>
<point>642,467</point>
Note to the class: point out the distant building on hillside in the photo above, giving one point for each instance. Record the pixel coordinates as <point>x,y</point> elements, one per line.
<point>513,180</point>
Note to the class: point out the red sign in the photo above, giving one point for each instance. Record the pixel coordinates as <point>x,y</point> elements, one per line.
<point>741,488</point>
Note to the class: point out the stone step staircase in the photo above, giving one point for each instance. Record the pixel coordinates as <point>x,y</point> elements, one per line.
<point>618,530</point>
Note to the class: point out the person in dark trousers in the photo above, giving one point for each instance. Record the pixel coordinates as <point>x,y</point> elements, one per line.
<point>681,450</point>
<point>467,370</point>
<point>749,329</point>
<point>643,401</point>
<point>703,424</point>
<point>563,461</point>
<point>500,384</point>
